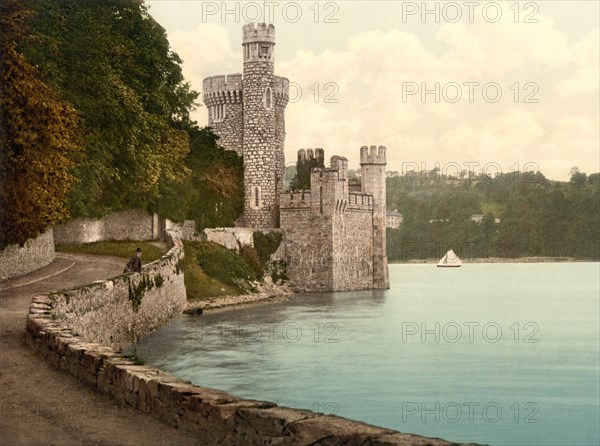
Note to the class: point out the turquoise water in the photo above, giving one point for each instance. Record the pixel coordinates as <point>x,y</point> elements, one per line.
<point>504,354</point>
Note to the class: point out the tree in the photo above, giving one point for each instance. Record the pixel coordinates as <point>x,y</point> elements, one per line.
<point>303,167</point>
<point>213,195</point>
<point>578,178</point>
<point>37,140</point>
<point>112,61</point>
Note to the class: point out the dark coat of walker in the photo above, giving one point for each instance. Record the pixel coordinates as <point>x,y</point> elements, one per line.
<point>135,263</point>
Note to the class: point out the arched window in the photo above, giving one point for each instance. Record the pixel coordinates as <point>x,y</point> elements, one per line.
<point>256,197</point>
<point>268,99</point>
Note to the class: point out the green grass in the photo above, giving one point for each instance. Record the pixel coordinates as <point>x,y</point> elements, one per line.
<point>125,249</point>
<point>199,285</point>
<point>495,208</point>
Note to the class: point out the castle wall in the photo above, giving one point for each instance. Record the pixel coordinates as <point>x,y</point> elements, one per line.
<point>281,88</point>
<point>352,250</point>
<point>259,127</point>
<point>308,244</point>
<point>127,225</point>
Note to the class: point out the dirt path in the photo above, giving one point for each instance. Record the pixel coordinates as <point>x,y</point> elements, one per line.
<point>40,405</point>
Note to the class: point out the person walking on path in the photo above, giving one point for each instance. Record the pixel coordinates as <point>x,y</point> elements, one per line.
<point>135,263</point>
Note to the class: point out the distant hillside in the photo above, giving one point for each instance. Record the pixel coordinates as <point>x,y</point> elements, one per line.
<point>538,217</point>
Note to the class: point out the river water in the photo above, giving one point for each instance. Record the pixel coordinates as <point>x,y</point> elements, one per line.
<point>504,354</point>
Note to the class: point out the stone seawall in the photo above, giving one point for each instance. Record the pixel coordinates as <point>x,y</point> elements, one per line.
<point>18,260</point>
<point>118,312</point>
<point>215,417</point>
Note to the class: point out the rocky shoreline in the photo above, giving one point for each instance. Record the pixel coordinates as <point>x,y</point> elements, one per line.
<point>267,292</point>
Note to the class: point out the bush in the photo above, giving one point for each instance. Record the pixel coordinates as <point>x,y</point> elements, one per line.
<point>224,265</point>
<point>266,244</point>
<point>252,258</point>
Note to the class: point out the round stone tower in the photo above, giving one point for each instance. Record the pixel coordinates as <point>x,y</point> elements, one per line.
<point>261,176</point>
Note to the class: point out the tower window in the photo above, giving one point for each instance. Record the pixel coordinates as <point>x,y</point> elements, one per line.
<point>268,99</point>
<point>219,112</point>
<point>265,51</point>
<point>321,199</point>
<point>256,197</point>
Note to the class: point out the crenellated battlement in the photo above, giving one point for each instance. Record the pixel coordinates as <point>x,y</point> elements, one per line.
<point>281,88</point>
<point>360,201</point>
<point>309,154</point>
<point>258,33</point>
<point>296,199</point>
<point>373,155</point>
<point>223,89</point>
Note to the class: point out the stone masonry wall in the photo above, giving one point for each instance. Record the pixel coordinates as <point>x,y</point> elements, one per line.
<point>225,91</point>
<point>352,251</point>
<point>18,260</point>
<point>126,225</point>
<point>118,312</point>
<point>309,249</point>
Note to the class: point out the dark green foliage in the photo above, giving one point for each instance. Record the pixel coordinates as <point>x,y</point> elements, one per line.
<point>137,291</point>
<point>539,217</point>
<point>266,244</point>
<point>250,255</point>
<point>213,194</point>
<point>302,179</point>
<point>224,265</point>
<point>159,280</point>
<point>113,63</point>
<point>278,271</point>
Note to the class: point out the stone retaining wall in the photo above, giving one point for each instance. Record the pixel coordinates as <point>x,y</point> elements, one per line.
<point>215,417</point>
<point>120,311</point>
<point>18,260</point>
<point>127,225</point>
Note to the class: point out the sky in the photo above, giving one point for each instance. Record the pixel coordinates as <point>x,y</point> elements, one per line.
<point>487,86</point>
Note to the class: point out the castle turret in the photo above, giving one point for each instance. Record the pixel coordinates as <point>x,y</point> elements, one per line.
<point>222,96</point>
<point>372,163</point>
<point>261,170</point>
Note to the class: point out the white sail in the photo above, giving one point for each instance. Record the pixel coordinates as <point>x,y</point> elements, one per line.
<point>450,259</point>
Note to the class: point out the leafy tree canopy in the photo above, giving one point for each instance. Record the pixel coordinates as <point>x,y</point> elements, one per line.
<point>113,62</point>
<point>538,217</point>
<point>37,140</point>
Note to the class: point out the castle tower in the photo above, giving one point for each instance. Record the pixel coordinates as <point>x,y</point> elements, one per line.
<point>248,113</point>
<point>372,166</point>
<point>261,170</point>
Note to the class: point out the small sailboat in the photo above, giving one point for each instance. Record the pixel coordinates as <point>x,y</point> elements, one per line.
<point>450,260</point>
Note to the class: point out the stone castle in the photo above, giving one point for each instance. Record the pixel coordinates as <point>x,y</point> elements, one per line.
<point>335,237</point>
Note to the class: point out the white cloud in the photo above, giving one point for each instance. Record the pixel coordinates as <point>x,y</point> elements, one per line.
<point>205,51</point>
<point>587,64</point>
<point>369,72</point>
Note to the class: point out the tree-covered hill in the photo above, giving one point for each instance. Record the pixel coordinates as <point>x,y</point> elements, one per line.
<point>538,217</point>
<point>125,135</point>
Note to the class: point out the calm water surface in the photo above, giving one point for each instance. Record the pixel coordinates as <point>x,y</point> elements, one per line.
<point>504,354</point>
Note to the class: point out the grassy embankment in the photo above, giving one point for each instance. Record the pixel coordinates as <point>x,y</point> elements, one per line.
<point>210,269</point>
